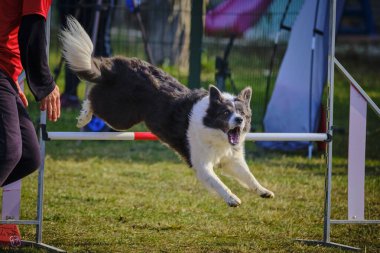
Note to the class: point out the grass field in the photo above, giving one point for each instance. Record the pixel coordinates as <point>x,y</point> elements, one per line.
<point>139,197</point>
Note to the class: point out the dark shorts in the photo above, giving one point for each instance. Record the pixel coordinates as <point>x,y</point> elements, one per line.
<point>19,148</point>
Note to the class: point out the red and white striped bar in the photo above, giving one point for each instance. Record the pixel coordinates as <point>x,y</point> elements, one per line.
<point>102,136</point>
<point>147,136</point>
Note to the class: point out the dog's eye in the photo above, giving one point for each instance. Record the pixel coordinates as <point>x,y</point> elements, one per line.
<point>241,112</point>
<point>226,113</point>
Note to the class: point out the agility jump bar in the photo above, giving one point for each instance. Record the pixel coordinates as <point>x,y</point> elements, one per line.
<point>148,136</point>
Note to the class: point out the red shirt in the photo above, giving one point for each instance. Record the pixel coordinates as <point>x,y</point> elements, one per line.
<point>11,12</point>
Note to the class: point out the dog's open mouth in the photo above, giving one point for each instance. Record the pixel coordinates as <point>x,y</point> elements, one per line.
<point>234,136</point>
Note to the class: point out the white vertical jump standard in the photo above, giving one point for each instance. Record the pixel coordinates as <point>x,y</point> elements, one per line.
<point>356,164</point>
<point>11,201</point>
<point>356,155</point>
<point>358,107</point>
<point>359,100</point>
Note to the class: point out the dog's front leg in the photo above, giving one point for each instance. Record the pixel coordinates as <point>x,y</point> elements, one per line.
<point>237,167</point>
<point>206,174</point>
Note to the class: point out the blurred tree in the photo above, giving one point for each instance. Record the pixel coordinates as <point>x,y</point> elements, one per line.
<point>168,30</point>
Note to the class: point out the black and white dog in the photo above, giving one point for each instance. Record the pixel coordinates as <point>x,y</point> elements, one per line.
<point>205,128</point>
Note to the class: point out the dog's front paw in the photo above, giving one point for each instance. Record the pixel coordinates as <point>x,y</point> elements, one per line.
<point>233,201</point>
<point>267,194</point>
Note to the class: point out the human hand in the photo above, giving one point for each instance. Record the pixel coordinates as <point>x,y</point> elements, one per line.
<point>52,104</point>
<point>23,98</point>
<point>21,94</point>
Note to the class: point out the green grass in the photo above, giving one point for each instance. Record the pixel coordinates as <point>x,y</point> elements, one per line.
<point>115,196</point>
<point>106,197</point>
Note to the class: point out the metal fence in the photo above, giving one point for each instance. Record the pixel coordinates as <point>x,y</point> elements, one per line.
<point>167,25</point>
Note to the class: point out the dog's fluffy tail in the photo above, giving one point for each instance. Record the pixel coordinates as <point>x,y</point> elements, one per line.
<point>77,50</point>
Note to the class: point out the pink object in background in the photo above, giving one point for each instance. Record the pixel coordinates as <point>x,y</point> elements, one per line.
<point>356,154</point>
<point>234,17</point>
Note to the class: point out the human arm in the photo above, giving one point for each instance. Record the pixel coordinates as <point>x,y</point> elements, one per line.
<point>32,44</point>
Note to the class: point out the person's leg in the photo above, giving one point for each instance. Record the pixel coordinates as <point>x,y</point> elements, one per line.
<point>65,9</point>
<point>103,45</point>
<point>19,149</point>
<point>30,156</point>
<point>71,82</point>
<point>69,97</point>
<point>10,134</point>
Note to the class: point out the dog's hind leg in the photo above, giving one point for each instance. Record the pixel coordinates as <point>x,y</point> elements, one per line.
<point>85,114</point>
<point>237,167</point>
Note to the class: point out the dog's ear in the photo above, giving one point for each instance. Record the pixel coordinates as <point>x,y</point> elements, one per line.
<point>246,95</point>
<point>215,93</point>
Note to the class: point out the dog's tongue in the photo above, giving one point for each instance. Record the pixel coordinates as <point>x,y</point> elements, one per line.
<point>233,136</point>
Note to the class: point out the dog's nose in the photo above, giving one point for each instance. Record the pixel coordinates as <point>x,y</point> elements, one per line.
<point>238,120</point>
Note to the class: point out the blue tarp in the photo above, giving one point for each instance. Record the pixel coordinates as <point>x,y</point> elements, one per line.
<point>288,110</point>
